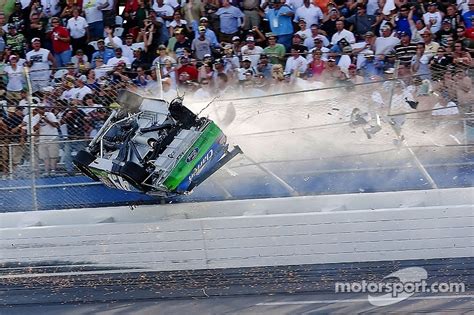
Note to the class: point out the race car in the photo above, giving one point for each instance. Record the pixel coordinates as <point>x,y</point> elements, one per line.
<point>155,147</point>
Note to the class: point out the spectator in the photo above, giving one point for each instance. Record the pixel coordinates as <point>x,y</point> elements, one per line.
<point>275,51</point>
<point>79,30</point>
<point>16,78</point>
<point>35,28</point>
<point>296,64</point>
<point>314,34</point>
<point>178,23</point>
<point>108,14</point>
<point>420,62</point>
<point>453,17</point>
<point>433,17</point>
<point>264,67</point>
<point>61,43</point>
<point>46,124</point>
<point>127,48</point>
<point>329,24</point>
<point>468,16</point>
<point>280,19</point>
<point>246,68</point>
<point>461,56</point>
<point>231,19</point>
<point>81,89</point>
<point>386,43</point>
<point>310,13</point>
<point>342,33</point>
<point>405,50</point>
<point>201,46</point>
<point>361,22</point>
<point>104,53</point>
<point>439,64</point>
<point>210,35</point>
<point>251,50</point>
<point>77,127</point>
<point>430,46</point>
<point>15,40</point>
<point>303,31</point>
<point>14,123</point>
<point>80,61</point>
<point>251,14</point>
<point>39,60</point>
<point>93,15</point>
<point>316,66</point>
<point>163,11</point>
<point>114,61</point>
<point>193,11</point>
<point>417,28</point>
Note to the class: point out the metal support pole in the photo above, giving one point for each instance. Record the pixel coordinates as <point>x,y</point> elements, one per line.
<point>32,142</point>
<point>10,161</point>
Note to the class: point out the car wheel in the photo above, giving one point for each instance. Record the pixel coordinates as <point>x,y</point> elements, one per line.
<point>82,161</point>
<point>134,174</point>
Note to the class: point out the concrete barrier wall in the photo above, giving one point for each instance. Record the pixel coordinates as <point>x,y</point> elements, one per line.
<point>428,224</point>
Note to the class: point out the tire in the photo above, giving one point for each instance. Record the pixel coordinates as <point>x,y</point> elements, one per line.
<point>82,161</point>
<point>135,175</point>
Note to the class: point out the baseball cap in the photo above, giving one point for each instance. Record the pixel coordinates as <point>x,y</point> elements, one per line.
<point>447,21</point>
<point>203,19</point>
<point>129,36</point>
<point>12,57</point>
<point>100,40</point>
<point>250,39</point>
<point>246,58</point>
<point>390,71</point>
<point>352,66</point>
<point>432,4</point>
<point>331,59</point>
<point>178,31</point>
<point>9,26</point>
<point>369,34</point>
<point>402,33</point>
<point>36,39</point>
<point>235,38</point>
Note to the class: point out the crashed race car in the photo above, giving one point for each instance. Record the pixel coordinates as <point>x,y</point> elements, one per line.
<point>156,147</point>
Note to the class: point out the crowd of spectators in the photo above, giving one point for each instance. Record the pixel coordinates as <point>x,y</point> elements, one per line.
<point>78,53</point>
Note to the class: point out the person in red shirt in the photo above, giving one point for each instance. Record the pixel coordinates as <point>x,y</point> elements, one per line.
<point>186,71</point>
<point>60,39</point>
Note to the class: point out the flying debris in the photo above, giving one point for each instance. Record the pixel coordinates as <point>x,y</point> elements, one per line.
<point>370,124</point>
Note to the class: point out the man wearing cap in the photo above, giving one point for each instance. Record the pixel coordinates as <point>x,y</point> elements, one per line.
<point>210,35</point>
<point>405,50</point>
<point>296,64</point>
<point>402,20</point>
<point>79,30</point>
<point>433,18</point>
<point>445,32</point>
<point>385,43</point>
<point>61,40</point>
<point>15,40</point>
<point>231,19</point>
<point>280,18</point>
<point>310,13</point>
<point>39,60</point>
<point>182,42</point>
<point>114,61</point>
<point>251,50</point>
<point>16,78</point>
<point>201,46</point>
<point>246,68</point>
<point>329,25</point>
<point>303,32</point>
<point>127,48</point>
<point>274,50</point>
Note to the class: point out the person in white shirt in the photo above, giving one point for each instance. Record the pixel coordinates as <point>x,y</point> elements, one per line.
<point>296,64</point>
<point>127,50</point>
<point>81,89</point>
<point>110,39</point>
<point>39,60</point>
<point>46,124</point>
<point>433,18</point>
<point>164,11</point>
<point>385,44</point>
<point>114,61</point>
<point>16,78</point>
<point>309,12</point>
<point>94,18</point>
<point>79,30</point>
<point>51,8</point>
<point>314,34</point>
<point>294,4</point>
<point>252,51</point>
<point>304,32</point>
<point>342,33</point>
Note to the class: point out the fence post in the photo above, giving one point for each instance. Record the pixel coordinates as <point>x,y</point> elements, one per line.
<point>32,142</point>
<point>10,161</point>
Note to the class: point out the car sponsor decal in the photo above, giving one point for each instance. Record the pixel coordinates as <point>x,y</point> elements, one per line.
<point>192,155</point>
